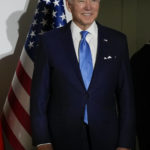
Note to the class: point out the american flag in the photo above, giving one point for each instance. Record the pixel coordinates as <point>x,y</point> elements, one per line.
<point>15,117</point>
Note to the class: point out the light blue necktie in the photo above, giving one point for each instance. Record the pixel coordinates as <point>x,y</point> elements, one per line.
<point>86,66</point>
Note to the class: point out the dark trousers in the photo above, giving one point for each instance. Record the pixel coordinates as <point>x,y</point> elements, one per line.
<point>86,142</point>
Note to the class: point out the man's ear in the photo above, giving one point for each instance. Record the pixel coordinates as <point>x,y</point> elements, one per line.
<point>68,5</point>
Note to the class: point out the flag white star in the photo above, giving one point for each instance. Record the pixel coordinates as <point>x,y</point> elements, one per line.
<point>63,17</point>
<point>54,13</point>
<point>36,11</point>
<point>31,45</point>
<point>32,34</point>
<point>47,1</point>
<point>60,25</point>
<point>34,23</point>
<point>43,22</point>
<point>42,32</point>
<point>56,3</point>
<point>45,11</point>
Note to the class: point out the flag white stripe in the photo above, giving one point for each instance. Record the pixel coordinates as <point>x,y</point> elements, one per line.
<point>21,93</point>
<point>27,63</point>
<point>22,136</point>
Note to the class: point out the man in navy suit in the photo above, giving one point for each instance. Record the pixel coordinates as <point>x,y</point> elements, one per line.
<point>60,101</point>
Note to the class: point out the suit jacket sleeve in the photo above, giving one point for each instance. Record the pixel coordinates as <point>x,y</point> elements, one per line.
<point>39,97</point>
<point>126,101</point>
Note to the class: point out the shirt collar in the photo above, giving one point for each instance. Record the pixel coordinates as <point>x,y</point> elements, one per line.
<point>93,30</point>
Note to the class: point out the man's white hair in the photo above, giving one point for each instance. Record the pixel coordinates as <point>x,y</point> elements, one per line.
<point>70,1</point>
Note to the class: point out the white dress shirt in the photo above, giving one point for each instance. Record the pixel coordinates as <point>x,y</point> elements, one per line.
<point>91,38</point>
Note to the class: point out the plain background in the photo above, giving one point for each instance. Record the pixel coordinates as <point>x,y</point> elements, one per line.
<point>128,16</point>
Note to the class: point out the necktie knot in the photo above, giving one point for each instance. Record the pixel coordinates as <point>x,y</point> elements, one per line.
<point>84,34</point>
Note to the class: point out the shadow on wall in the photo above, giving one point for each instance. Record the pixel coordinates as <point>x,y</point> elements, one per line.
<point>13,29</point>
<point>9,63</point>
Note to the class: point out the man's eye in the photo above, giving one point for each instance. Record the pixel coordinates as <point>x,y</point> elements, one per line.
<point>81,0</point>
<point>94,0</point>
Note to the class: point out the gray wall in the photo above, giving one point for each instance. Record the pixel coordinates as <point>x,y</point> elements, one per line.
<point>130,17</point>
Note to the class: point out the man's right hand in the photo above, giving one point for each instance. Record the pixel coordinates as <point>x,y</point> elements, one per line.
<point>45,147</point>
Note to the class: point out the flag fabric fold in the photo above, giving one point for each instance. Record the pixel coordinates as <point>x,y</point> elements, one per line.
<point>15,116</point>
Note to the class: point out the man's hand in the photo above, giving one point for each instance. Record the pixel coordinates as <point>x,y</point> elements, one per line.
<point>121,148</point>
<point>45,147</point>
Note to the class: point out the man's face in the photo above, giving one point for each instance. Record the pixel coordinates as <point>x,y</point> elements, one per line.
<point>84,12</point>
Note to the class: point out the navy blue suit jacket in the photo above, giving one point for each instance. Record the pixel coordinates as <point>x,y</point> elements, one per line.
<point>58,95</point>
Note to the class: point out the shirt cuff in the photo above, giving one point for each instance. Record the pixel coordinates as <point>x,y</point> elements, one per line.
<point>43,144</point>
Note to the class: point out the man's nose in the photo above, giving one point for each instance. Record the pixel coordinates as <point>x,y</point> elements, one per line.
<point>88,4</point>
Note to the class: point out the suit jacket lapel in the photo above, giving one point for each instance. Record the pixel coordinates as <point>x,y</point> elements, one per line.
<point>102,48</point>
<point>71,55</point>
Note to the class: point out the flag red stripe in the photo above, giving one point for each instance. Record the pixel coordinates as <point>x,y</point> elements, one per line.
<point>10,135</point>
<point>23,77</point>
<point>1,138</point>
<point>19,111</point>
